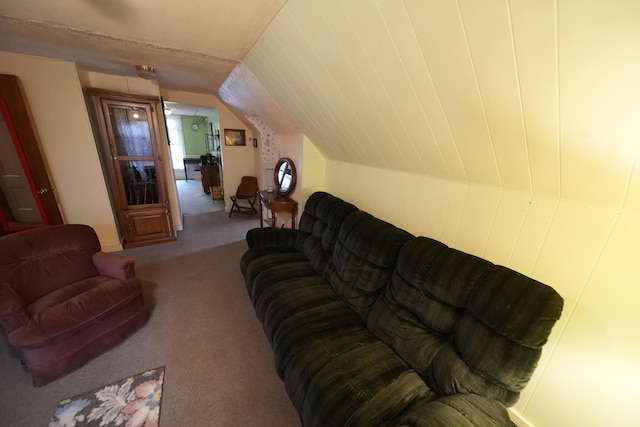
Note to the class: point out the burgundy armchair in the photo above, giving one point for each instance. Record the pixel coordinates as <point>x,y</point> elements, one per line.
<point>62,300</point>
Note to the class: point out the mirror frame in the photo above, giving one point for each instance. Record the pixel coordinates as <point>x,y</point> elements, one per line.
<point>294,178</point>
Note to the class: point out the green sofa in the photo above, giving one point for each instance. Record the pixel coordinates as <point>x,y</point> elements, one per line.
<point>372,326</point>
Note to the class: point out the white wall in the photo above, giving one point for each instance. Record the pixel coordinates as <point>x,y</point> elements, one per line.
<point>589,374</point>
<point>55,96</point>
<point>312,172</point>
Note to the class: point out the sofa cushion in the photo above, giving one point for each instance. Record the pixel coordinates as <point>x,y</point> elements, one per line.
<point>498,340</point>
<point>323,315</point>
<point>71,307</point>
<point>313,241</point>
<point>319,225</point>
<point>419,311</point>
<point>362,383</point>
<point>264,269</point>
<point>363,259</point>
<point>288,297</point>
<point>459,410</point>
<point>332,366</point>
<point>272,282</point>
<point>463,323</point>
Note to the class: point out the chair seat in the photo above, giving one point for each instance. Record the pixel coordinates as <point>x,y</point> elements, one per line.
<point>240,207</point>
<point>71,307</point>
<point>247,192</point>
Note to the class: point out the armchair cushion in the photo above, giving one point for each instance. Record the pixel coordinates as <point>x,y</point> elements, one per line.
<point>70,307</point>
<point>113,265</point>
<point>36,262</point>
<point>12,311</point>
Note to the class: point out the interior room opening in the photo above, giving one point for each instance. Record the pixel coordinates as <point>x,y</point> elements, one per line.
<point>196,156</point>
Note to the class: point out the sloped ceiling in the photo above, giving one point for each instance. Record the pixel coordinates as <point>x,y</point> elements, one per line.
<point>540,96</point>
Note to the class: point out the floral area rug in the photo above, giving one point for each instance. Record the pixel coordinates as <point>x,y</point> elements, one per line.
<point>131,402</point>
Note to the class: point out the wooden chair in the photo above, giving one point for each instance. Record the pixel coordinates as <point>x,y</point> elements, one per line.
<point>248,191</point>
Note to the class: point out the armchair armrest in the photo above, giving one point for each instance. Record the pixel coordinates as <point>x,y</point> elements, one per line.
<point>114,265</point>
<point>460,410</point>
<point>12,311</point>
<point>271,238</point>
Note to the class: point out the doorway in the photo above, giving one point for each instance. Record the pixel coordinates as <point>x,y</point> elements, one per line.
<point>27,199</point>
<point>194,141</point>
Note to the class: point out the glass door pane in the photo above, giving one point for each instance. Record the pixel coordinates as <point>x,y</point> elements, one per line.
<point>131,135</point>
<point>140,184</point>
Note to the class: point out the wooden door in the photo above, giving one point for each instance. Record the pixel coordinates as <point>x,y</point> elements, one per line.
<point>131,145</point>
<point>27,199</point>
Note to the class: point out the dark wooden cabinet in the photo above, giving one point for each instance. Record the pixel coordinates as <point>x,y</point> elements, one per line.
<point>131,154</point>
<point>210,176</point>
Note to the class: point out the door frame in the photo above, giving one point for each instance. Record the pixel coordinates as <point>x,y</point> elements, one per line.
<point>159,224</point>
<point>19,119</point>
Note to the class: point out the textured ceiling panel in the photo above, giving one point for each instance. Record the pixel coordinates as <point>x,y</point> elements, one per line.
<point>244,92</point>
<point>177,69</point>
<point>222,28</point>
<point>193,46</point>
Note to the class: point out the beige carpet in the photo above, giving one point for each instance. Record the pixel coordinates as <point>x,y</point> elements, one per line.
<point>219,365</point>
<point>193,199</point>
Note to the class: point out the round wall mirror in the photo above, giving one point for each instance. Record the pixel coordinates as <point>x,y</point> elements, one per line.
<point>285,176</point>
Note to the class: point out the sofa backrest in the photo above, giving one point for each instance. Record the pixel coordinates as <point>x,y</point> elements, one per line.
<point>464,324</point>
<point>318,228</point>
<point>363,259</point>
<point>38,261</point>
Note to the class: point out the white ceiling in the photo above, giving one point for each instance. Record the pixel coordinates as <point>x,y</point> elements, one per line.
<point>192,45</point>
<point>189,110</point>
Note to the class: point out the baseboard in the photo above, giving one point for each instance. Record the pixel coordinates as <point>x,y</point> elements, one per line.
<point>518,419</point>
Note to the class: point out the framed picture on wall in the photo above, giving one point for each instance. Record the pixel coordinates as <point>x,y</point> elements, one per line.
<point>234,137</point>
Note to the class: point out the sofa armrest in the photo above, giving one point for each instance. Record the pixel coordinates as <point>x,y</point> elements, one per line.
<point>460,410</point>
<point>12,311</point>
<point>114,265</point>
<point>271,238</point>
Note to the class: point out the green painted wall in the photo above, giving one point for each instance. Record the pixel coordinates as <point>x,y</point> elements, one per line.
<point>194,141</point>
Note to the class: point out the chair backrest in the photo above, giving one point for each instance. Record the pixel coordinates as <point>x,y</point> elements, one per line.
<point>248,186</point>
<point>38,261</point>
